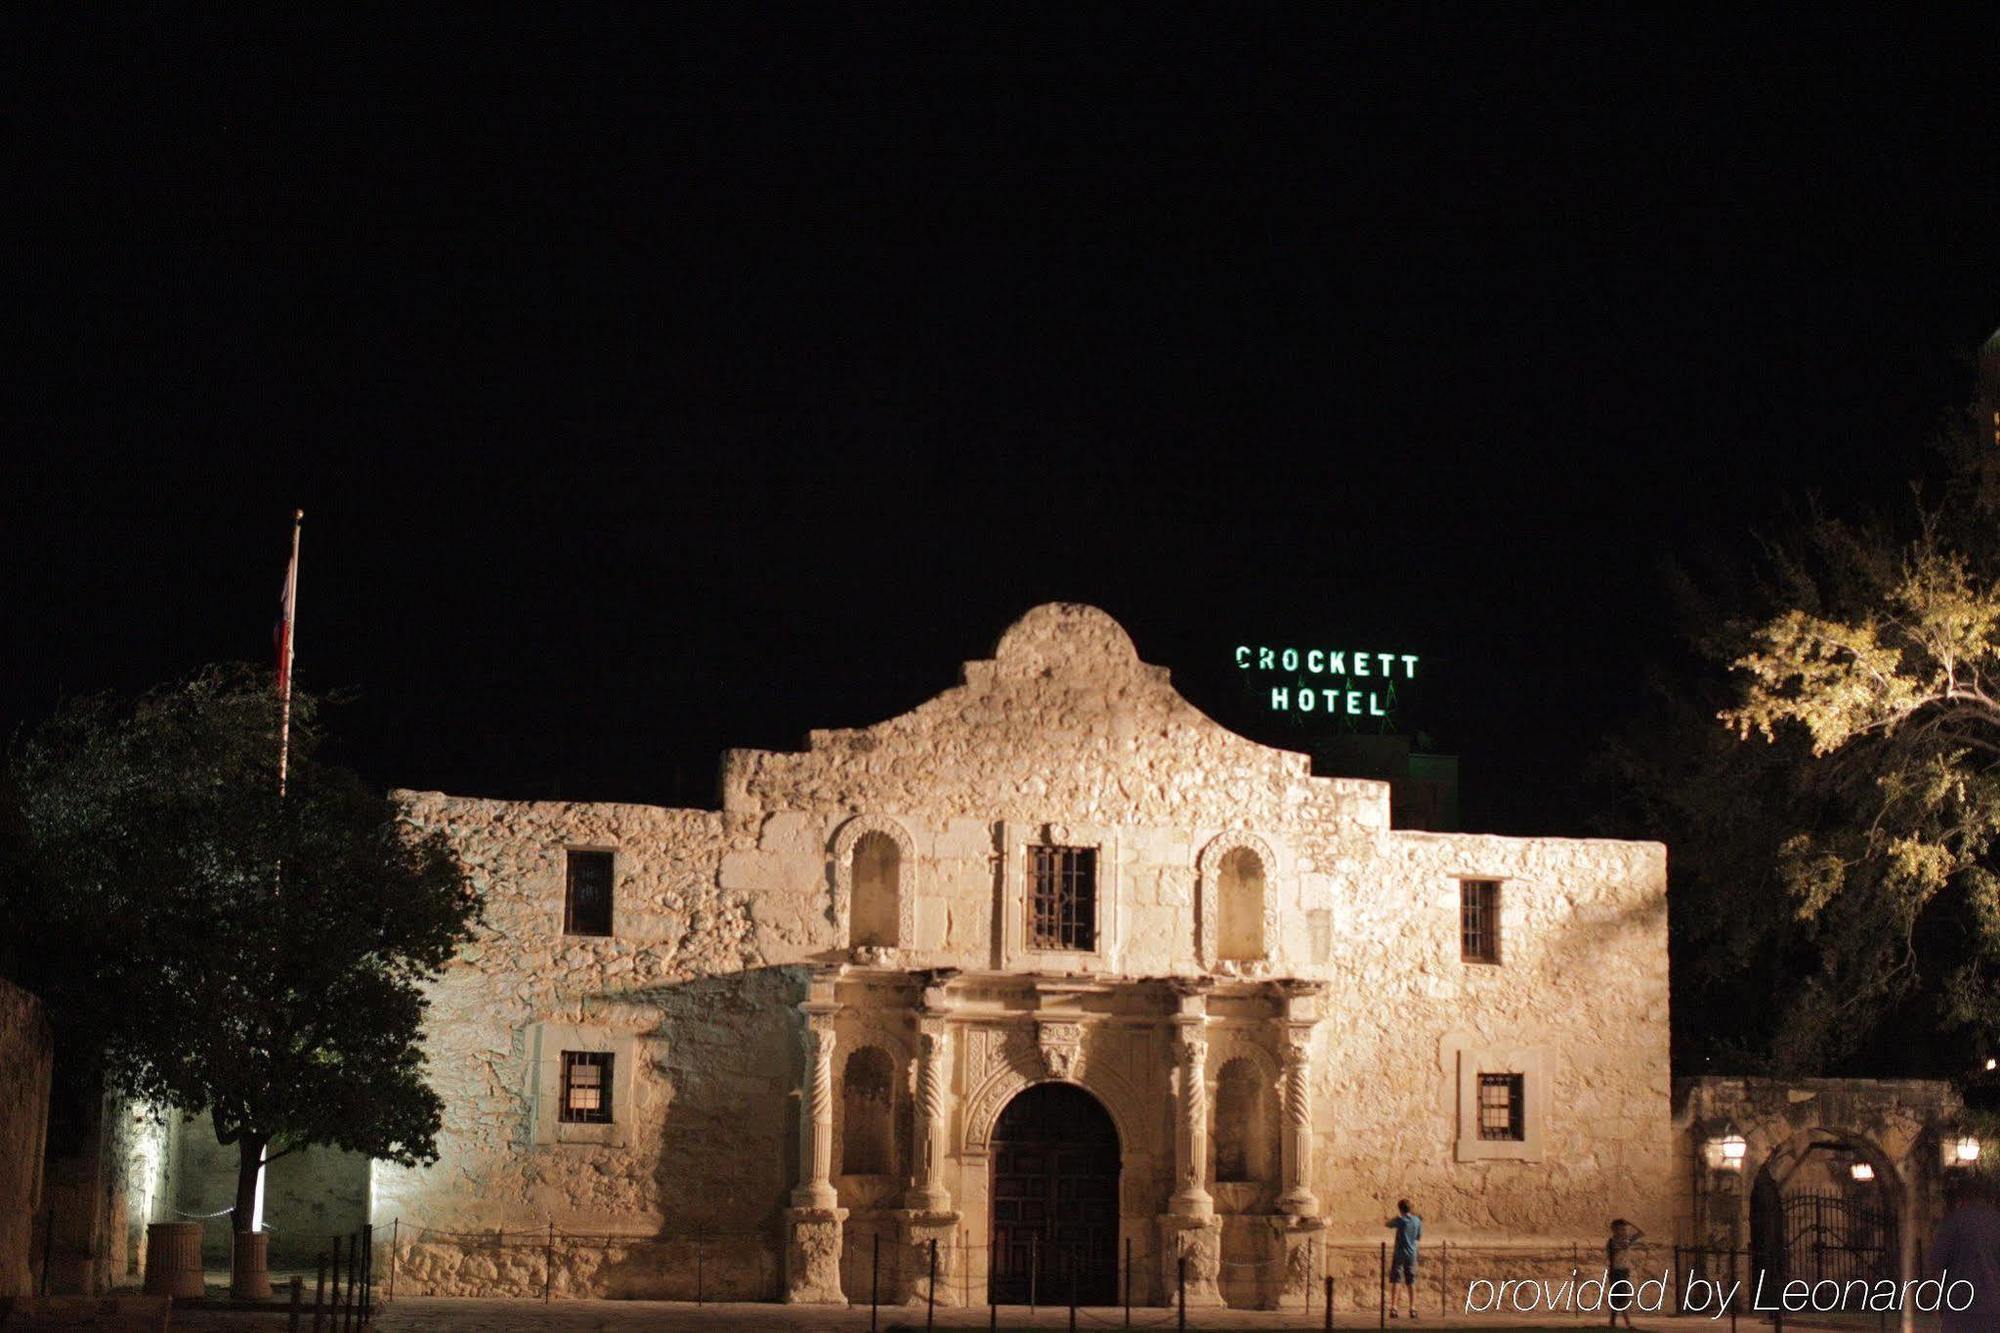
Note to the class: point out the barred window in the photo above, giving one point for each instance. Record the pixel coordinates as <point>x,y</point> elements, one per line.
<point>586,1087</point>
<point>1062,898</point>
<point>1479,920</point>
<point>1500,1107</point>
<point>587,904</point>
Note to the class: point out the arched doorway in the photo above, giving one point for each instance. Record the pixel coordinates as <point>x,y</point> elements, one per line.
<point>1055,1198</point>
<point>1823,1208</point>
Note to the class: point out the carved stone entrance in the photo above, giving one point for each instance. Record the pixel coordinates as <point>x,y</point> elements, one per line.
<point>1055,1198</point>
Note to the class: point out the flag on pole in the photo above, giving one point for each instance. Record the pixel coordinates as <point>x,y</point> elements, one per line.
<point>281,634</point>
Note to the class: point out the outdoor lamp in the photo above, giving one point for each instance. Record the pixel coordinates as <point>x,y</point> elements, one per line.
<point>1961,1150</point>
<point>1725,1150</point>
<point>1863,1171</point>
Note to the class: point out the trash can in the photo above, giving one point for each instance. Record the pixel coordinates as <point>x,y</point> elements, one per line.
<point>173,1259</point>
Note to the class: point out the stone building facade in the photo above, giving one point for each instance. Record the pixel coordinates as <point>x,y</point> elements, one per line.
<point>1050,965</point>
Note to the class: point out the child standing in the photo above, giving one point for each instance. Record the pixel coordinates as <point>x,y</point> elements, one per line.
<point>1618,1263</point>
<point>1409,1229</point>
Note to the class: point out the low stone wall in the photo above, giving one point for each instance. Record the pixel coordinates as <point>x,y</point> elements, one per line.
<point>526,1263</point>
<point>27,1056</point>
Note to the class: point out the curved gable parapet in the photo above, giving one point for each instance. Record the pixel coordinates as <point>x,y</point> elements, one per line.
<point>1065,722</point>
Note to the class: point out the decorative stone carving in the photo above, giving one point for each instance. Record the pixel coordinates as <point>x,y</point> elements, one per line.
<point>812,1256</point>
<point>1299,1241</point>
<point>1295,1142</point>
<point>928,1193</point>
<point>919,1232</point>
<point>1198,1241</point>
<point>1191,1197</point>
<point>1061,1047</point>
<point>815,1189</point>
<point>842,851</point>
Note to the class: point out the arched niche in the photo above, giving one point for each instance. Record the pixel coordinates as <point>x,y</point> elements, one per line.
<point>1243,1129</point>
<point>1238,901</point>
<point>874,856</point>
<point>868,1113</point>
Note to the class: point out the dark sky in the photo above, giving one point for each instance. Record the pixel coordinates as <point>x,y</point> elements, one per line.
<point>654,384</point>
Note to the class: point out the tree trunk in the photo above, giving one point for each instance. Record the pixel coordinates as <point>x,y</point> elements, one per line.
<point>249,1160</point>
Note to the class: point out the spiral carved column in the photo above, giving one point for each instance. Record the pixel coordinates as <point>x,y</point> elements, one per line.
<point>1297,1198</point>
<point>927,1190</point>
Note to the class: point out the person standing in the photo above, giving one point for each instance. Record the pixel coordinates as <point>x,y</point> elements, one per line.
<point>1409,1229</point>
<point>1618,1270</point>
<point>1967,1249</point>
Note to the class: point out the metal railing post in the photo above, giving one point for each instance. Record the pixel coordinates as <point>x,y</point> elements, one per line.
<point>367,1273</point>
<point>1329,1302</point>
<point>333,1312</point>
<point>874,1278</point>
<point>930,1290</point>
<point>49,1247</point>
<point>298,1299</point>
<point>698,1293</point>
<point>1034,1269</point>
<point>319,1296</point>
<point>1180,1284</point>
<point>1382,1297</point>
<point>395,1239</point>
<point>1128,1282</point>
<point>1072,1291</point>
<point>993,1282</point>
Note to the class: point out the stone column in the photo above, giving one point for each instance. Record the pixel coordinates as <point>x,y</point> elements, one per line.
<point>813,1222</point>
<point>815,1188</point>
<point>1295,1144</point>
<point>1191,1197</point>
<point>1298,1013</point>
<point>928,1193</point>
<point>1190,1230</point>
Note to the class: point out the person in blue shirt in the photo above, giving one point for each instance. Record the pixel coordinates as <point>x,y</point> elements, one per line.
<point>1409,1229</point>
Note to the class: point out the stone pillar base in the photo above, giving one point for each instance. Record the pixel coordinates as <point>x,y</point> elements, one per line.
<point>1298,1241</point>
<point>812,1256</point>
<point>918,1230</point>
<point>1199,1241</point>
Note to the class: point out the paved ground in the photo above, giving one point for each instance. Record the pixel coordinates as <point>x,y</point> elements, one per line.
<point>510,1316</point>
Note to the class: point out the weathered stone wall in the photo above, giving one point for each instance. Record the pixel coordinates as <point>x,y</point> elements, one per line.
<point>1800,1134</point>
<point>310,1196</point>
<point>26,1058</point>
<point>1064,737</point>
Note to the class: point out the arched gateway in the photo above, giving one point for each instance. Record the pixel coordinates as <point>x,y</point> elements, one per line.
<point>1055,1198</point>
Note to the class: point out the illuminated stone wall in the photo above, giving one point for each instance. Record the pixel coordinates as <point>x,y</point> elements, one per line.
<point>723,920</point>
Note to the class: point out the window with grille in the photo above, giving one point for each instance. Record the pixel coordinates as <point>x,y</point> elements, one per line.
<point>1479,920</point>
<point>586,1087</point>
<point>1500,1106</point>
<point>1062,898</point>
<point>587,904</point>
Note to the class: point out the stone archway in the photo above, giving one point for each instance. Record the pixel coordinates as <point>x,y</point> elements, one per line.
<point>1826,1205</point>
<point>1054,1198</point>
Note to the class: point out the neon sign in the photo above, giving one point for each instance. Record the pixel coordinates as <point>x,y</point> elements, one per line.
<point>1328,682</point>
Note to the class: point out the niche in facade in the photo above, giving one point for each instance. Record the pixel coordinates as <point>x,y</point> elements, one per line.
<point>876,909</point>
<point>1240,891</point>
<point>1244,1139</point>
<point>867,1113</point>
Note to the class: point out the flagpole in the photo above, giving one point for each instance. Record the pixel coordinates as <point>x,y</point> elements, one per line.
<point>285,667</point>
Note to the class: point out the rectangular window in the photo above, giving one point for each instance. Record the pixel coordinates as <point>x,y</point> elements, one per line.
<point>1500,1107</point>
<point>586,1087</point>
<point>1062,898</point>
<point>587,904</point>
<point>1479,920</point>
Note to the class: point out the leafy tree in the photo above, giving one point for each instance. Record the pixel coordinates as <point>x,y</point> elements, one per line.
<point>218,949</point>
<point>1836,903</point>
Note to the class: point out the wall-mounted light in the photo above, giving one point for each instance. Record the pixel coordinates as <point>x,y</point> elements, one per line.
<point>1725,1149</point>
<point>1862,1171</point>
<point>1960,1149</point>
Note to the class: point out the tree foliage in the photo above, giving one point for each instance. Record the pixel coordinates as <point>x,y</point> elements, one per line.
<point>1833,801</point>
<point>218,949</point>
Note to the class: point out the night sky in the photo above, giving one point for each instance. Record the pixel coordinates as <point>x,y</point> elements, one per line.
<point>656,384</point>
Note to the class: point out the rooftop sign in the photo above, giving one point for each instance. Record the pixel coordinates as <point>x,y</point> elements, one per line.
<point>1325,682</point>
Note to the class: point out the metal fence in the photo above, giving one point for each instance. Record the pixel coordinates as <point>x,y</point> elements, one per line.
<point>1308,1283</point>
